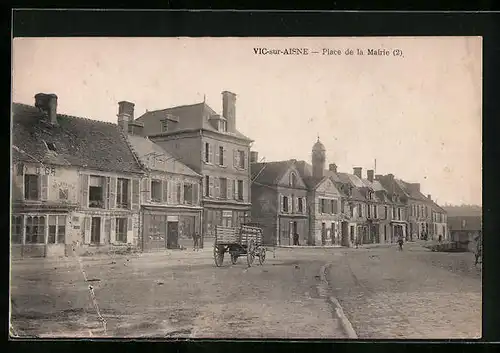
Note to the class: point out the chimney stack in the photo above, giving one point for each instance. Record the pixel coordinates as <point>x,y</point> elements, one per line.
<point>429,197</point>
<point>369,175</point>
<point>125,114</point>
<point>333,167</point>
<point>254,157</point>
<point>229,110</point>
<point>47,102</point>
<point>357,171</point>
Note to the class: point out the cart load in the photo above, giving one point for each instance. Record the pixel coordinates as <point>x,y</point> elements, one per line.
<point>244,240</point>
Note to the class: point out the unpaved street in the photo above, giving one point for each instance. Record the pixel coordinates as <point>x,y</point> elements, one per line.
<point>414,293</point>
<point>178,295</point>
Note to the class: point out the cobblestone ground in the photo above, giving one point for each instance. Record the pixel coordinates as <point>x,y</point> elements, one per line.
<point>414,293</point>
<point>181,295</point>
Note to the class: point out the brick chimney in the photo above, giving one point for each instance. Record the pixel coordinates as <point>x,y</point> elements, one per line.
<point>229,110</point>
<point>254,157</point>
<point>357,171</point>
<point>369,175</point>
<point>47,103</point>
<point>429,197</point>
<point>125,114</point>
<point>332,167</point>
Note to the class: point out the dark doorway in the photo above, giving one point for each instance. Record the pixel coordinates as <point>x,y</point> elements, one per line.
<point>323,233</point>
<point>172,235</point>
<point>345,234</point>
<point>95,230</point>
<point>335,240</point>
<point>352,234</point>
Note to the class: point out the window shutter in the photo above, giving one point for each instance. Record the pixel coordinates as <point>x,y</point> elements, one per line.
<point>245,190</point>
<point>224,157</point>
<point>217,187</point>
<point>112,192</point>
<point>112,230</point>
<point>146,194</point>
<point>174,191</point>
<point>211,187</point>
<point>304,205</point>
<point>203,151</point>
<point>164,194</point>
<point>87,222</point>
<point>281,208</point>
<point>130,231</point>
<point>235,158</point>
<point>229,189</point>
<point>196,194</point>
<point>204,186</point>
<point>296,204</point>
<point>180,192</point>
<point>211,153</point>
<point>84,191</point>
<point>107,231</point>
<point>244,161</point>
<point>216,160</point>
<point>135,195</point>
<point>44,187</point>
<point>235,189</point>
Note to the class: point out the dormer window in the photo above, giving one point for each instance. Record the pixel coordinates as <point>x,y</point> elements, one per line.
<point>223,125</point>
<point>293,180</point>
<point>51,146</point>
<point>164,125</point>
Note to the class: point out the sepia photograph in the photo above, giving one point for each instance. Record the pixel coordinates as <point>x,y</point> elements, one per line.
<point>246,188</point>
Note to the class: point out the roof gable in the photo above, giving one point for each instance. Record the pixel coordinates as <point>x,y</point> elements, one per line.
<point>289,173</point>
<point>154,157</point>
<point>274,173</point>
<point>78,141</point>
<point>327,185</point>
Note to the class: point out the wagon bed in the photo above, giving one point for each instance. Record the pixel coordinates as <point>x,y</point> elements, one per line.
<point>244,240</point>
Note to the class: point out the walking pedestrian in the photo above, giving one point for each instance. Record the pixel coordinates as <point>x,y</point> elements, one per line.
<point>400,242</point>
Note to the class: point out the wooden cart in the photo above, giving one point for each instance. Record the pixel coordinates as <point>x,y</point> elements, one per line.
<point>239,241</point>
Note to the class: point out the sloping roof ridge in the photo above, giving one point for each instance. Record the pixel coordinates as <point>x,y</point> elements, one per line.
<point>68,115</point>
<point>132,150</point>
<point>175,107</point>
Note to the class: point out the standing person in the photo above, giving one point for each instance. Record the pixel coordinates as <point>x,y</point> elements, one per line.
<point>440,239</point>
<point>295,238</point>
<point>196,241</point>
<point>400,242</point>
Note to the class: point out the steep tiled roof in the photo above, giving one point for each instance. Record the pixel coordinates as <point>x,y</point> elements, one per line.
<point>153,157</point>
<point>193,116</point>
<point>267,173</point>
<point>305,170</point>
<point>312,182</point>
<point>78,141</point>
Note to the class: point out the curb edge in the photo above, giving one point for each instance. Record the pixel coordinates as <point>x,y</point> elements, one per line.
<point>339,312</point>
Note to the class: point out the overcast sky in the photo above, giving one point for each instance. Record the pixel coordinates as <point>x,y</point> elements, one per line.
<point>419,115</point>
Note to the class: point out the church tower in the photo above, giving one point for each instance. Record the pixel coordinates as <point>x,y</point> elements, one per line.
<point>318,159</point>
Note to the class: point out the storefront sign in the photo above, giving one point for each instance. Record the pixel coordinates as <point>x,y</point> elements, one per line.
<point>46,170</point>
<point>172,218</point>
<point>227,214</point>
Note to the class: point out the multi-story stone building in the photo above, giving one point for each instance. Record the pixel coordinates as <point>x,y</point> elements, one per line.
<point>279,201</point>
<point>439,221</point>
<point>75,181</point>
<point>170,191</point>
<point>324,201</point>
<point>211,145</point>
<point>398,198</point>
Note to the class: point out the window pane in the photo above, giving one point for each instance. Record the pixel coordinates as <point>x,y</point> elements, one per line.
<point>61,234</point>
<point>52,234</point>
<point>52,220</point>
<point>61,220</point>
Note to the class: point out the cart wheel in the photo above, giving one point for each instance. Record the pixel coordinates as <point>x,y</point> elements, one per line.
<point>218,255</point>
<point>262,256</point>
<point>234,259</point>
<point>250,253</point>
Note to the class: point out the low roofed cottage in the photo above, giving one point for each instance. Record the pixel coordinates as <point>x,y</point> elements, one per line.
<point>75,181</point>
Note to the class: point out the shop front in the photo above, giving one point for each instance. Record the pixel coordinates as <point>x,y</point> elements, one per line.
<point>221,215</point>
<point>169,228</point>
<point>41,231</point>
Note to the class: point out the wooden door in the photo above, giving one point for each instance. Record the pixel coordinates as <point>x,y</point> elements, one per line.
<point>172,235</point>
<point>95,230</point>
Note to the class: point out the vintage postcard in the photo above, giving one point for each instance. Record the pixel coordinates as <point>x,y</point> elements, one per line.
<point>246,188</point>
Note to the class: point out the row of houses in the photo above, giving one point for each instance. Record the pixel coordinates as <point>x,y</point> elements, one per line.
<point>328,207</point>
<point>152,182</point>
<point>148,183</point>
